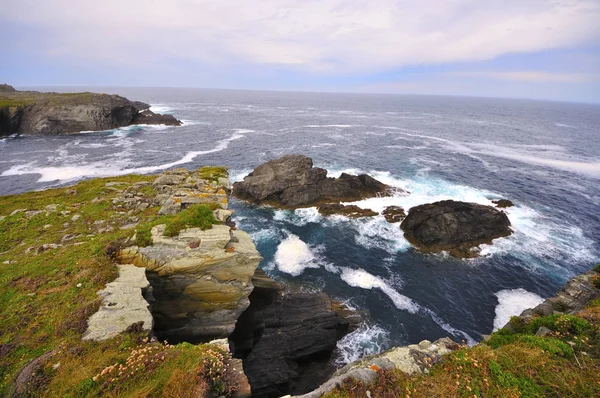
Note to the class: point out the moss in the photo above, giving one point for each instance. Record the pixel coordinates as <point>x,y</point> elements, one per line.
<point>212,173</point>
<point>197,216</point>
<point>143,236</point>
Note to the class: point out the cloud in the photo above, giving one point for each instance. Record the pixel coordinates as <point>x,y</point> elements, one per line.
<point>533,76</point>
<point>319,36</point>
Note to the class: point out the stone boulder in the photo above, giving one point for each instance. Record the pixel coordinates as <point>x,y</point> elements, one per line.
<point>503,203</point>
<point>286,339</point>
<point>351,211</point>
<point>291,181</point>
<point>457,227</point>
<point>149,117</point>
<point>394,214</point>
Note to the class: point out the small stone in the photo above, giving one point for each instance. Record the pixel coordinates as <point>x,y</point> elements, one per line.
<point>75,217</point>
<point>71,192</point>
<point>17,211</point>
<point>32,213</point>
<point>65,212</point>
<point>56,366</point>
<point>79,284</point>
<point>543,331</point>
<point>194,244</point>
<point>68,237</point>
<point>96,200</point>
<point>503,203</point>
<point>51,208</point>
<point>2,218</point>
<point>30,294</point>
<point>47,226</point>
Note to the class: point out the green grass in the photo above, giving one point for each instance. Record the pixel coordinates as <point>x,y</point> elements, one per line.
<point>196,216</point>
<point>212,173</point>
<point>46,297</point>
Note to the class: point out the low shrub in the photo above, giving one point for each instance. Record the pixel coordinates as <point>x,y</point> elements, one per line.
<point>197,216</point>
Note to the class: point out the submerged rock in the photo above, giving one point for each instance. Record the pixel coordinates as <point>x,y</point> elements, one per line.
<point>394,214</point>
<point>457,227</point>
<point>286,339</point>
<point>351,211</point>
<point>291,181</point>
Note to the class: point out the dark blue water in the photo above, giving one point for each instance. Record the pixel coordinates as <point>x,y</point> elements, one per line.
<point>544,156</point>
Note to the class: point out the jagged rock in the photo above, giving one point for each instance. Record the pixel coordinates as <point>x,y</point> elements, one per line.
<point>415,358</point>
<point>286,339</point>
<point>291,181</point>
<point>458,227</point>
<point>149,117</point>
<point>123,304</point>
<point>543,331</point>
<point>503,203</point>
<point>351,211</point>
<point>394,214</point>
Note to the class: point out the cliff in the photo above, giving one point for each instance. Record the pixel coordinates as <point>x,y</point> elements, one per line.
<point>34,113</point>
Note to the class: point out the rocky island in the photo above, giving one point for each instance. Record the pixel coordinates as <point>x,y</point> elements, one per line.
<point>38,113</point>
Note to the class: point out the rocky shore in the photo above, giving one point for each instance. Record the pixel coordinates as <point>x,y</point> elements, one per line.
<point>38,113</point>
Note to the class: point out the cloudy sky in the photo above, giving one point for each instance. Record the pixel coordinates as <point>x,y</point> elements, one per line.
<point>546,49</point>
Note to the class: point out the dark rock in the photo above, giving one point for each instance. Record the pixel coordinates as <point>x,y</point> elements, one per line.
<point>286,340</point>
<point>7,88</point>
<point>149,117</point>
<point>31,112</point>
<point>140,106</point>
<point>502,203</point>
<point>394,214</point>
<point>576,293</point>
<point>454,226</point>
<point>352,211</point>
<point>291,181</point>
<point>543,309</point>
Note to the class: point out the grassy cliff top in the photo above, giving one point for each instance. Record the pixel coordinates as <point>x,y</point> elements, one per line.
<point>53,261</point>
<point>23,98</point>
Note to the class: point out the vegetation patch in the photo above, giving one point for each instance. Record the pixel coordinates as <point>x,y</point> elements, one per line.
<point>196,216</point>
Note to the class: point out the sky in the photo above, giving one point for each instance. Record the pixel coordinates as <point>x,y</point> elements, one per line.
<point>545,49</point>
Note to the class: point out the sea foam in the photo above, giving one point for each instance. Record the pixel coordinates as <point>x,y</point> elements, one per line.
<point>512,302</point>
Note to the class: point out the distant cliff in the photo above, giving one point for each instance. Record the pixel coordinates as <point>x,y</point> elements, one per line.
<point>37,113</point>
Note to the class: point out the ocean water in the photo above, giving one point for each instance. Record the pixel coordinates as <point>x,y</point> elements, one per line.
<point>544,156</point>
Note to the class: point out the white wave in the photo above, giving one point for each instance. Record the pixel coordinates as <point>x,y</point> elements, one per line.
<point>102,169</point>
<point>293,256</point>
<point>363,279</point>
<point>270,234</point>
<point>341,126</point>
<point>453,331</point>
<point>323,145</point>
<point>161,108</point>
<point>564,125</point>
<point>366,340</point>
<point>511,302</point>
<point>298,217</point>
<point>244,131</point>
<point>376,232</point>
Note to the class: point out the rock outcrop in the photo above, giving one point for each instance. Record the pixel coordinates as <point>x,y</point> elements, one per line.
<point>415,358</point>
<point>6,88</point>
<point>36,113</point>
<point>291,182</point>
<point>457,227</point>
<point>286,339</point>
<point>123,304</point>
<point>351,211</point>
<point>200,280</point>
<point>572,298</point>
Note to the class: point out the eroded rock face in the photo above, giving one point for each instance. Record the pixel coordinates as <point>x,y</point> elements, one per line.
<point>291,181</point>
<point>458,227</point>
<point>201,280</point>
<point>286,340</point>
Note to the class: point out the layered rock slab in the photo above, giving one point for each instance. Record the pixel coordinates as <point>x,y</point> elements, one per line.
<point>123,304</point>
<point>291,181</point>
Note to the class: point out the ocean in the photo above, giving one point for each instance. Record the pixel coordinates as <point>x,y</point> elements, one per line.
<point>543,156</point>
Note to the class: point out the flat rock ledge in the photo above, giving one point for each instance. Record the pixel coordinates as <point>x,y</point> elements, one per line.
<point>123,304</point>
<point>411,359</point>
